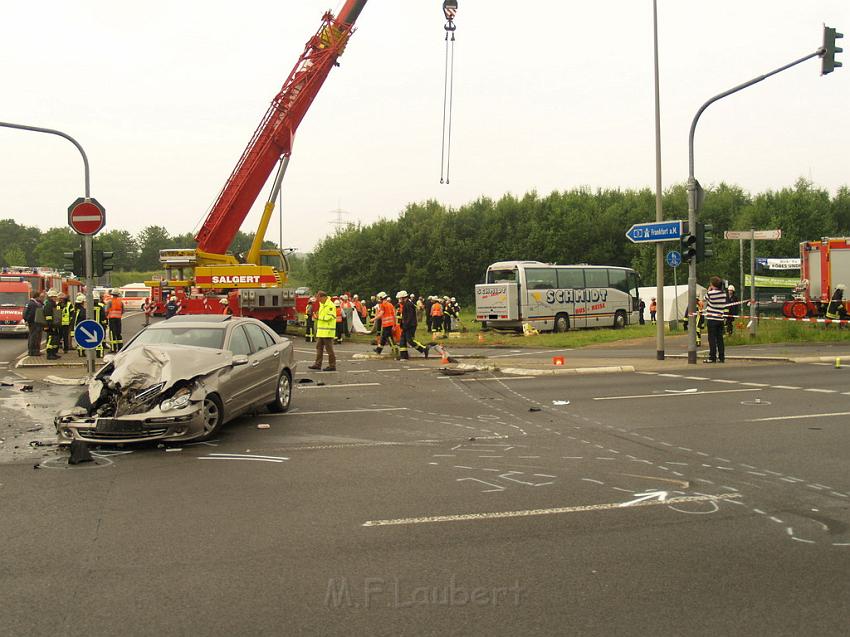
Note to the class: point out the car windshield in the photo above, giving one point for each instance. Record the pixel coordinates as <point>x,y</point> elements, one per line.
<point>192,336</point>
<point>17,299</point>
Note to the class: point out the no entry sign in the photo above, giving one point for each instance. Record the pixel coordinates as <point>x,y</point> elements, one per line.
<point>86,216</point>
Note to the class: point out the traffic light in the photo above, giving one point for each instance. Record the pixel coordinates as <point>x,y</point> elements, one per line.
<point>704,241</point>
<point>688,243</point>
<point>74,262</point>
<point>828,63</point>
<point>101,262</point>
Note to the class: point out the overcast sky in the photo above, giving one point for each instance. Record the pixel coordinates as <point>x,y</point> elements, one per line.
<point>549,95</point>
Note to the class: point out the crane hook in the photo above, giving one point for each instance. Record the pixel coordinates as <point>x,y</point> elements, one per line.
<point>450,11</point>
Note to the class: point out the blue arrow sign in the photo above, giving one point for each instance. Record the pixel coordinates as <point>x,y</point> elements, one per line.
<point>673,258</point>
<point>656,231</point>
<point>88,334</point>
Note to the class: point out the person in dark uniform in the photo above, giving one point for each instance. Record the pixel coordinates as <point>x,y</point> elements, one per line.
<point>53,322</point>
<point>35,320</point>
<point>408,327</point>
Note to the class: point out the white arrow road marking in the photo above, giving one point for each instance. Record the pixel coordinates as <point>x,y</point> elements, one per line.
<point>643,497</point>
<point>473,517</point>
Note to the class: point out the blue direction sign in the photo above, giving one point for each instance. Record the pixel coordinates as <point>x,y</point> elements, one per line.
<point>655,231</point>
<point>88,334</point>
<point>674,258</point>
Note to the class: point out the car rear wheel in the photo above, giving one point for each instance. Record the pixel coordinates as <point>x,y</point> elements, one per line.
<point>213,416</point>
<point>284,393</point>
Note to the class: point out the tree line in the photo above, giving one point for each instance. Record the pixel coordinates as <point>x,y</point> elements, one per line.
<point>22,245</point>
<point>432,248</point>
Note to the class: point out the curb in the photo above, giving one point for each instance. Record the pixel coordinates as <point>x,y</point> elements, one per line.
<point>572,371</point>
<point>819,359</point>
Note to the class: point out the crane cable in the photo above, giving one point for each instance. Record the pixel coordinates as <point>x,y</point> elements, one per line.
<point>449,10</point>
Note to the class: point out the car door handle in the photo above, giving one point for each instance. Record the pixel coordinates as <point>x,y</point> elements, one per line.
<point>276,354</point>
<point>255,363</point>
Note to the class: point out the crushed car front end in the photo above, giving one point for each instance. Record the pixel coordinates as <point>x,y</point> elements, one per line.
<point>146,394</point>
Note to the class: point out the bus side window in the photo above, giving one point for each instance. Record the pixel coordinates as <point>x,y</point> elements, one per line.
<point>570,278</point>
<point>540,279</point>
<point>596,277</point>
<point>619,280</point>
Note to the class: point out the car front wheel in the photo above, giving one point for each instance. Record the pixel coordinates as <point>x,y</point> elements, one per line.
<point>213,416</point>
<point>284,393</point>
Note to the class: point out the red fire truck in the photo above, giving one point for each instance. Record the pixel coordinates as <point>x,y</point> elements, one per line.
<point>823,265</point>
<point>18,284</point>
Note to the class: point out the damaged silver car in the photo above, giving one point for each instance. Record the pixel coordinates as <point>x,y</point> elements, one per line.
<point>181,380</point>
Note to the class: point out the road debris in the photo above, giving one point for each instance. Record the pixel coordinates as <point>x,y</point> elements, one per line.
<point>534,409</point>
<point>560,402</point>
<point>264,426</point>
<point>79,453</point>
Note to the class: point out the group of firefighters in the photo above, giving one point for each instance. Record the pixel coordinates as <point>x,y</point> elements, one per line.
<point>395,325</point>
<point>53,315</point>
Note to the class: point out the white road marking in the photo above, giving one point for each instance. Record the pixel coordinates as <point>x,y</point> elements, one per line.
<point>801,416</point>
<point>248,455</point>
<point>756,384</point>
<point>478,380</point>
<point>528,353</point>
<point>538,512</point>
<point>699,393</point>
<point>786,387</point>
<point>335,386</point>
<point>338,411</point>
<point>823,391</point>
<point>235,458</point>
<point>722,380</point>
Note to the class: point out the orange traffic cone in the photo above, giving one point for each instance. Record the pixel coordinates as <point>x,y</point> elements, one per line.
<point>480,338</point>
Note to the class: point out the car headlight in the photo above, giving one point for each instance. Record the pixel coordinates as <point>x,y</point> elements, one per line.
<point>178,401</point>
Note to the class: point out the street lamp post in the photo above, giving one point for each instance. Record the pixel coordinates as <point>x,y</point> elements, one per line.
<point>87,241</point>
<point>693,195</point>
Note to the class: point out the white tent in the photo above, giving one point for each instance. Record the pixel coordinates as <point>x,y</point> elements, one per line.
<point>673,295</point>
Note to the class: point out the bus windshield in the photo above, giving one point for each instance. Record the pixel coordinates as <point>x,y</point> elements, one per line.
<point>501,276</point>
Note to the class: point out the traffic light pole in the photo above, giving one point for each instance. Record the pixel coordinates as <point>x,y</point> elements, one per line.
<point>692,196</point>
<point>87,242</point>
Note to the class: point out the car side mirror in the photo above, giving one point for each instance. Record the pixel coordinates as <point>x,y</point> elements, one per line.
<point>239,359</point>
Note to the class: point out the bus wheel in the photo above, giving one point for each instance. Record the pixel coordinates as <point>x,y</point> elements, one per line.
<point>562,323</point>
<point>619,320</point>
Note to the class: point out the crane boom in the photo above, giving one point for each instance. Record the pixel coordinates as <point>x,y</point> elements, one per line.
<point>274,136</point>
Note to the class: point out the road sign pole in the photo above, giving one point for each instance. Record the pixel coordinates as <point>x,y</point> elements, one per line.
<point>87,243</point>
<point>659,212</point>
<point>753,283</point>
<point>741,285</point>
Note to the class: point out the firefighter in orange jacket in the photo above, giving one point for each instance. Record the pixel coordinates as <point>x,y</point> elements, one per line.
<point>386,312</point>
<point>436,317</point>
<point>115,313</point>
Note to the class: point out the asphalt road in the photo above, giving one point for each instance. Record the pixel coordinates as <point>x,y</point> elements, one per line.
<point>396,500</point>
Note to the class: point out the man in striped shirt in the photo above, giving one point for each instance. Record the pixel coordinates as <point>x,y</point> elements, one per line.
<point>715,308</point>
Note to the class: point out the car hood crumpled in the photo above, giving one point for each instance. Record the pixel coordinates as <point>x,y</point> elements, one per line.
<point>147,365</point>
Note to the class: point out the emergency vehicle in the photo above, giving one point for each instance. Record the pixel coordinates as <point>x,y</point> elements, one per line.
<point>134,295</point>
<point>823,265</point>
<point>14,295</point>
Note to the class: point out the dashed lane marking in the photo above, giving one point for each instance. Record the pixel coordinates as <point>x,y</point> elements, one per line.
<point>801,416</point>
<point>337,386</point>
<point>698,393</point>
<point>336,411</point>
<point>478,380</point>
<point>616,506</point>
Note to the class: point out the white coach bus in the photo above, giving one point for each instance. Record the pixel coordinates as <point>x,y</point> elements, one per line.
<point>557,297</point>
